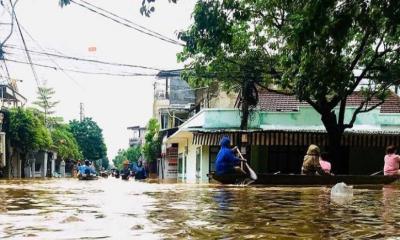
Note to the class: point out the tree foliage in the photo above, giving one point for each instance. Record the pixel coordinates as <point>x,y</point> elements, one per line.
<point>148,7</point>
<point>46,105</point>
<point>152,145</point>
<point>90,138</point>
<point>320,51</point>
<point>63,3</point>
<point>64,142</point>
<point>26,131</point>
<point>132,154</point>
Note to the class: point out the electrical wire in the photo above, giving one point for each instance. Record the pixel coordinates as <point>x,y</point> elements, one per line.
<point>65,73</point>
<point>158,36</point>
<point>85,59</point>
<point>79,71</point>
<point>129,21</point>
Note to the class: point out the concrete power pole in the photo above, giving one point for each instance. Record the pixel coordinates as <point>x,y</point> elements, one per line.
<point>81,112</point>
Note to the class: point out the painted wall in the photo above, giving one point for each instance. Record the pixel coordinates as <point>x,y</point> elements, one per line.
<point>205,163</point>
<point>191,164</point>
<point>305,117</point>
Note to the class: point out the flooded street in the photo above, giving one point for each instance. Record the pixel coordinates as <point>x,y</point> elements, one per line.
<point>115,209</point>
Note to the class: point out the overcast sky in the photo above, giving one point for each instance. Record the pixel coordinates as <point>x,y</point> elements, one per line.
<point>113,102</point>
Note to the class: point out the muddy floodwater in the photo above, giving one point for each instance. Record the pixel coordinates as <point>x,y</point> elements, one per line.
<point>116,209</point>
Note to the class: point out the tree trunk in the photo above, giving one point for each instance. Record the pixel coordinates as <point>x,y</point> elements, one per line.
<point>337,155</point>
<point>245,115</point>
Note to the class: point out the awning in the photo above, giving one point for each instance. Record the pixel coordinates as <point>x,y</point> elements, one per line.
<point>285,138</point>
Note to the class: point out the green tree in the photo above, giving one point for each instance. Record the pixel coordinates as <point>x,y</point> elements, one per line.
<point>152,146</point>
<point>105,163</point>
<point>46,105</point>
<point>132,154</point>
<point>320,51</point>
<point>119,158</point>
<point>90,138</point>
<point>26,131</point>
<point>64,142</point>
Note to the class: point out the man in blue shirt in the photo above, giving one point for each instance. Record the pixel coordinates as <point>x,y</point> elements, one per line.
<point>227,162</point>
<point>86,170</point>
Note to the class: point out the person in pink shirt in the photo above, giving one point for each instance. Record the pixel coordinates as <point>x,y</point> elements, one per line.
<point>323,161</point>
<point>392,161</point>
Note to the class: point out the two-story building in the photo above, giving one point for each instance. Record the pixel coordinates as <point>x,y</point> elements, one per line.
<point>9,97</point>
<point>138,134</point>
<point>173,102</point>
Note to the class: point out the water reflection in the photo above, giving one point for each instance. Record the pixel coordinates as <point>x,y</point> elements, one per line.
<point>115,209</point>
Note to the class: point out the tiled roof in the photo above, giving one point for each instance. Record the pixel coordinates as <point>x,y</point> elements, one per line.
<point>274,102</point>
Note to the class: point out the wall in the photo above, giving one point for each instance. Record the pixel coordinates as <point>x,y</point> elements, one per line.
<point>305,117</point>
<point>191,163</point>
<point>223,100</point>
<point>205,163</point>
<point>366,160</point>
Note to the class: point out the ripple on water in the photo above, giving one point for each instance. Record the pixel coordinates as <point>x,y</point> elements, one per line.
<point>117,209</point>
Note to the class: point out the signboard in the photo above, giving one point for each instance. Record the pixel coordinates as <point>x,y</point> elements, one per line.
<point>171,163</point>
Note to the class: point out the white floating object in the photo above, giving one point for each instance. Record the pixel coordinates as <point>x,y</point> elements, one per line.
<point>341,193</point>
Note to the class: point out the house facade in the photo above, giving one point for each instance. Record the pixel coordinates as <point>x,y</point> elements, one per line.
<point>280,130</point>
<point>173,101</point>
<point>138,134</point>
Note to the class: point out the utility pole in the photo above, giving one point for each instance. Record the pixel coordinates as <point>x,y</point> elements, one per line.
<point>81,112</point>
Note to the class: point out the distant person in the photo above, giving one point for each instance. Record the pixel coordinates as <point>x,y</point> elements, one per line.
<point>140,171</point>
<point>392,161</point>
<point>226,161</point>
<point>311,165</point>
<point>86,169</point>
<point>325,164</point>
<point>77,167</point>
<point>126,171</point>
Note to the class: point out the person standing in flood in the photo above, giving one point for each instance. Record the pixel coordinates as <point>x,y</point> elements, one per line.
<point>392,161</point>
<point>140,171</point>
<point>126,171</point>
<point>311,165</point>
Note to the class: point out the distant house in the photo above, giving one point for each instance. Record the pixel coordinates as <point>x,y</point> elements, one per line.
<point>9,97</point>
<point>173,101</point>
<point>138,134</point>
<point>280,130</point>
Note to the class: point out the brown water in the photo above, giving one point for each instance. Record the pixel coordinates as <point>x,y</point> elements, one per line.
<point>115,209</point>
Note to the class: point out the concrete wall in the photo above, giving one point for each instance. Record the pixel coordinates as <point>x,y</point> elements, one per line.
<point>223,100</point>
<point>191,163</point>
<point>305,117</point>
<point>205,163</point>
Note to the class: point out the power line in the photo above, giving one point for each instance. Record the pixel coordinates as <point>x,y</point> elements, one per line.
<point>129,21</point>
<point>26,50</point>
<point>83,72</point>
<point>158,36</point>
<point>87,60</point>
<point>65,73</point>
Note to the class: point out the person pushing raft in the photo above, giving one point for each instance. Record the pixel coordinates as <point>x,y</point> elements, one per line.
<point>226,161</point>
